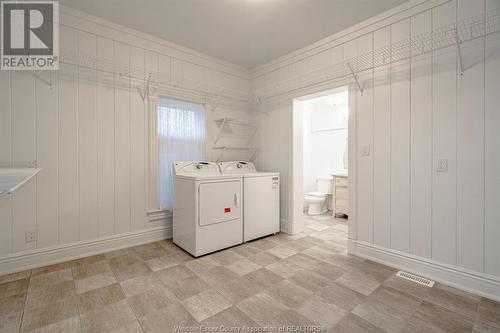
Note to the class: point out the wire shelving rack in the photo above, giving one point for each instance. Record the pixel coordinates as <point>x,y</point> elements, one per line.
<point>147,80</point>
<point>455,34</point>
<point>440,38</point>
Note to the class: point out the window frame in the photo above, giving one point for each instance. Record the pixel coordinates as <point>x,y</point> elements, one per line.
<point>154,213</point>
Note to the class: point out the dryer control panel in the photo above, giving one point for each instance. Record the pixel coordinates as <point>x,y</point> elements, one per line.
<point>196,168</point>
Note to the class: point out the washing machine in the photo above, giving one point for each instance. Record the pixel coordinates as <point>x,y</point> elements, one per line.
<point>261,199</point>
<point>207,214</point>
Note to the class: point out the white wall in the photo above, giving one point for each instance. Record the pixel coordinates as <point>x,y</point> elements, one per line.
<point>324,144</point>
<point>411,113</point>
<point>307,150</point>
<point>89,133</point>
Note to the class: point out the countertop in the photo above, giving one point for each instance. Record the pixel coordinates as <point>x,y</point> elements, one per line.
<point>340,173</point>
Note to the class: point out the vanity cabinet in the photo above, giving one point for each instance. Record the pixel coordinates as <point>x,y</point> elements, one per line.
<point>340,195</point>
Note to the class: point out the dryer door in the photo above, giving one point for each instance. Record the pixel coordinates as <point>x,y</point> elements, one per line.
<point>219,202</point>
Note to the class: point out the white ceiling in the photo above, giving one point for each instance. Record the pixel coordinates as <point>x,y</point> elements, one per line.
<point>248,33</point>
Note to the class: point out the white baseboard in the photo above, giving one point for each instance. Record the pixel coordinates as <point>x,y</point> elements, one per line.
<point>475,282</point>
<point>286,227</point>
<point>55,254</point>
<point>351,245</point>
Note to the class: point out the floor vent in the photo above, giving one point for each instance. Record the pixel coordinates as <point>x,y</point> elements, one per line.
<point>415,278</point>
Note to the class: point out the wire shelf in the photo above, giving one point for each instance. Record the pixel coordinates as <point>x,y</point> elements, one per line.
<point>441,38</point>
<point>140,75</point>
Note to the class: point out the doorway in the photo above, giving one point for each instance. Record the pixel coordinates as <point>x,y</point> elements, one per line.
<point>320,159</point>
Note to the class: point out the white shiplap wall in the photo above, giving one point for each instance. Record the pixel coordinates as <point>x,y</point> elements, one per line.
<point>411,113</point>
<point>89,133</point>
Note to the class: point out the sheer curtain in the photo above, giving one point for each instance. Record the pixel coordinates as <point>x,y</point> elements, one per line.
<point>181,137</point>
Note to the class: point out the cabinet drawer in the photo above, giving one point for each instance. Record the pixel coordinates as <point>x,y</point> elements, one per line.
<point>342,210</point>
<point>341,203</point>
<point>341,193</point>
<point>341,181</point>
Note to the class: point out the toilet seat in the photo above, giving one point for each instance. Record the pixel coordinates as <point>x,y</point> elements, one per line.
<point>316,202</point>
<point>315,197</point>
<point>316,194</point>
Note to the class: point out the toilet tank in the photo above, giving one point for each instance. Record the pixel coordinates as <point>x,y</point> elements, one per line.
<point>325,184</point>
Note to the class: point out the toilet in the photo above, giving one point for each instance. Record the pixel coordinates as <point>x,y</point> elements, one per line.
<point>317,201</point>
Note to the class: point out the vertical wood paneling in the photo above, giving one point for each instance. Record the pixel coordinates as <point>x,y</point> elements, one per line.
<point>444,105</point>
<point>421,143</point>
<point>5,226</point>
<point>23,150</point>
<point>23,216</point>
<point>428,112</point>
<point>68,143</point>
<point>471,146</point>
<point>138,145</point>
<point>492,156</point>
<point>400,144</point>
<point>279,120</point>
<point>364,118</point>
<point>350,51</point>
<point>175,71</point>
<point>105,142</point>
<point>122,142</point>
<point>263,159</point>
<point>151,64</point>
<point>87,139</point>
<point>5,122</point>
<point>5,117</point>
<point>285,130</point>
<point>381,146</point>
<point>47,154</point>
<point>89,134</point>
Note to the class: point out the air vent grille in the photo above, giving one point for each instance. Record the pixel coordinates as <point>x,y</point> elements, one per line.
<point>415,278</point>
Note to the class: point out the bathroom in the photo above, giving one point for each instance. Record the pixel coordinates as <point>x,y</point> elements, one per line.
<point>325,151</point>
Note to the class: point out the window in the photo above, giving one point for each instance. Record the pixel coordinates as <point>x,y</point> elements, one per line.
<point>181,137</point>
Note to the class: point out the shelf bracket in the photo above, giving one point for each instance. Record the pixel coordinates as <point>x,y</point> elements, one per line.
<point>355,78</point>
<point>221,129</point>
<point>459,51</point>
<point>145,94</point>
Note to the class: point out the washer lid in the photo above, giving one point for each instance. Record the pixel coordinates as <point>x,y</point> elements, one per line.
<point>237,167</point>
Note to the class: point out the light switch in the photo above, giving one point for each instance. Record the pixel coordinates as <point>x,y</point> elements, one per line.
<point>365,150</point>
<point>442,165</point>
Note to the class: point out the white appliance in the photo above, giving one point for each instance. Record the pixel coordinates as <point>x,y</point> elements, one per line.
<point>207,208</point>
<point>261,199</point>
<point>316,201</point>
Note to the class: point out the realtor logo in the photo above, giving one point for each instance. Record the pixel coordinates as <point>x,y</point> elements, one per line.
<point>30,35</point>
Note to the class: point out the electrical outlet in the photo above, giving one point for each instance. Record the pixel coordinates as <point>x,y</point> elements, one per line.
<point>442,165</point>
<point>365,150</point>
<point>30,236</point>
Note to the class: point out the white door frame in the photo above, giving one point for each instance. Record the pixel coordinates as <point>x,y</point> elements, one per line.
<point>297,188</point>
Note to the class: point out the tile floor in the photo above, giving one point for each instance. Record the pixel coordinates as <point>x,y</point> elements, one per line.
<point>305,279</point>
